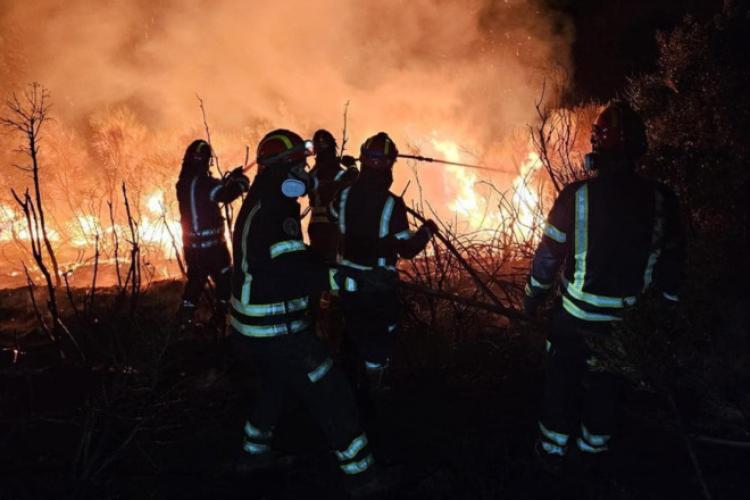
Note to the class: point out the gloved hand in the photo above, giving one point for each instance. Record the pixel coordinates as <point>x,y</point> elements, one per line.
<point>348,161</point>
<point>431,226</point>
<point>350,175</point>
<point>531,304</point>
<point>238,178</point>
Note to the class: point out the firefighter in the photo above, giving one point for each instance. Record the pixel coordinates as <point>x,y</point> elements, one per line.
<point>375,233</point>
<point>271,324</point>
<point>331,174</point>
<point>615,235</point>
<point>199,195</point>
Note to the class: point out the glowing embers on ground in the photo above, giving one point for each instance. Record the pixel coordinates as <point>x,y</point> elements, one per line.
<point>495,212</point>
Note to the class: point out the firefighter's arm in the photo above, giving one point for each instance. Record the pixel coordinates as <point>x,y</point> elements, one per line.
<point>669,266</point>
<point>408,243</point>
<point>230,187</point>
<point>551,252</point>
<point>296,271</point>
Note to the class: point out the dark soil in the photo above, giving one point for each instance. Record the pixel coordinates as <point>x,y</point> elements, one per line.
<point>460,421</point>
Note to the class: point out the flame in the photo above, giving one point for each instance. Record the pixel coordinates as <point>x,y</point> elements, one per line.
<point>522,215</point>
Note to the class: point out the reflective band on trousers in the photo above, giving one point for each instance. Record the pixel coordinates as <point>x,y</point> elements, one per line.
<point>269,330</point>
<point>585,447</point>
<point>320,371</point>
<point>357,444</point>
<point>404,235</point>
<point>594,439</point>
<point>255,448</point>
<point>270,309</point>
<point>287,246</point>
<point>579,313</point>
<point>554,233</point>
<point>253,432</point>
<point>358,467</point>
<point>557,438</point>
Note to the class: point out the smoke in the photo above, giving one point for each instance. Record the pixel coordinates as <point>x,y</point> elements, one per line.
<point>124,75</point>
<point>469,67</point>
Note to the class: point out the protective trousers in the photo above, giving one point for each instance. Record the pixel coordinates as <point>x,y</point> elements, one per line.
<point>202,263</point>
<point>371,324</point>
<point>299,366</point>
<point>579,401</point>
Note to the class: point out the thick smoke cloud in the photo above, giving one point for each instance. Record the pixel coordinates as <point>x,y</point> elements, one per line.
<point>470,68</point>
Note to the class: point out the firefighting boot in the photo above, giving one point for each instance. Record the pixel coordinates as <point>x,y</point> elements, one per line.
<point>218,321</point>
<point>185,316</point>
<point>550,462</point>
<point>374,483</point>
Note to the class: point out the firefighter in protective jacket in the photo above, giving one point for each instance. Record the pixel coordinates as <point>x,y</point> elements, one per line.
<point>271,324</point>
<point>199,196</point>
<point>375,233</point>
<point>614,235</point>
<point>331,174</point>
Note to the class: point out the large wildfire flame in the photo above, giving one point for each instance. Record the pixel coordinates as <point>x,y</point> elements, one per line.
<point>125,107</point>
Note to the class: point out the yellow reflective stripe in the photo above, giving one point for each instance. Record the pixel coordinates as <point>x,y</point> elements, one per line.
<point>585,315</point>
<point>358,467</point>
<point>599,300</point>
<point>269,330</point>
<point>332,280</point>
<point>253,432</point>
<point>594,439</point>
<point>342,210</point>
<point>656,236</point>
<point>554,233</point>
<point>270,309</point>
<point>357,444</point>
<point>287,142</point>
<point>245,294</point>
<point>350,285</point>
<point>320,371</point>
<point>245,230</point>
<point>581,236</point>
<point>538,284</point>
<point>286,246</point>
<point>558,438</point>
<point>385,216</point>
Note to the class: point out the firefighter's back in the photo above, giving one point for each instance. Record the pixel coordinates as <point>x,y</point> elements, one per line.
<point>622,223</point>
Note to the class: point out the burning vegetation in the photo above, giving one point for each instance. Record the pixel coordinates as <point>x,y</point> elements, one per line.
<point>91,243</point>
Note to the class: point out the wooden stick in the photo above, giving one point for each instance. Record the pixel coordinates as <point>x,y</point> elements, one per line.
<point>509,312</point>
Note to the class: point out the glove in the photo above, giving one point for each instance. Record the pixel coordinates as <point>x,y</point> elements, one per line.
<point>531,304</point>
<point>350,175</point>
<point>430,226</point>
<point>238,178</point>
<point>348,161</point>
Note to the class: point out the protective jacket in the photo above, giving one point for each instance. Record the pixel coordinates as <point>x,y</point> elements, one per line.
<point>375,231</point>
<point>328,175</point>
<point>615,236</point>
<point>200,215</point>
<point>274,272</point>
